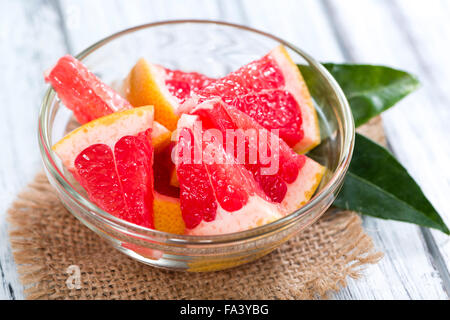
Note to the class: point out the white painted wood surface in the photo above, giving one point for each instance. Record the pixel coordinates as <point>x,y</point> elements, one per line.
<point>409,34</point>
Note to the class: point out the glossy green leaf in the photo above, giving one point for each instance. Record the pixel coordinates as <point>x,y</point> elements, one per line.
<point>378,185</point>
<point>370,89</point>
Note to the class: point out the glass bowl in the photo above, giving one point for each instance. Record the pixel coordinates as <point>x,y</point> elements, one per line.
<point>213,48</point>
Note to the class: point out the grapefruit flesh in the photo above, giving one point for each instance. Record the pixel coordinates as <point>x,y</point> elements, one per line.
<point>182,84</point>
<point>216,197</point>
<point>82,92</point>
<point>272,91</point>
<point>111,158</point>
<point>102,173</point>
<point>289,179</point>
<point>163,166</point>
<point>134,156</point>
<point>151,84</point>
<point>276,109</point>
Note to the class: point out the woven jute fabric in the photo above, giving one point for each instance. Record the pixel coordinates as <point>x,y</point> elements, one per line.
<point>47,240</point>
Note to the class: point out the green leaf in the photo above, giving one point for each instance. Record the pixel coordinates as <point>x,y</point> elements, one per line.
<point>370,89</point>
<point>378,185</point>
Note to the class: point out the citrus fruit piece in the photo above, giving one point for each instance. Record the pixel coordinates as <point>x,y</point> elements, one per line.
<point>272,91</point>
<point>219,196</point>
<point>163,166</point>
<point>166,204</point>
<point>286,177</point>
<point>111,157</point>
<point>160,136</point>
<point>167,214</point>
<point>182,84</point>
<point>151,84</point>
<point>82,92</point>
<point>174,179</point>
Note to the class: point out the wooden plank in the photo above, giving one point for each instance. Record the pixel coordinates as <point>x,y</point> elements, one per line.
<point>419,122</point>
<point>302,23</point>
<point>31,42</point>
<point>405,272</point>
<point>84,27</point>
<point>428,35</point>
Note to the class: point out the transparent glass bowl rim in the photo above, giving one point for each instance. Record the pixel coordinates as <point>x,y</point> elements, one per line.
<point>48,156</point>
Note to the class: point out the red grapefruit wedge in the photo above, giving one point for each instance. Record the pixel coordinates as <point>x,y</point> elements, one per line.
<point>111,158</point>
<point>182,84</point>
<point>288,178</point>
<point>82,92</point>
<point>272,91</point>
<point>216,197</point>
<point>151,84</point>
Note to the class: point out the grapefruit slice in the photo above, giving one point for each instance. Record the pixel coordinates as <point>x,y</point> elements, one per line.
<point>111,158</point>
<point>272,91</point>
<point>151,84</point>
<point>82,92</point>
<point>285,177</point>
<point>216,197</point>
<point>182,84</point>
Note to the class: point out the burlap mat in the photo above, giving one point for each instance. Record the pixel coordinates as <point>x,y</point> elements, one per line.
<point>46,240</point>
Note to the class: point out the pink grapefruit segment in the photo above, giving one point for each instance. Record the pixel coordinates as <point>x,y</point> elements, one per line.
<point>182,84</point>
<point>151,84</point>
<point>198,202</point>
<point>163,166</point>
<point>134,156</point>
<point>296,177</point>
<point>111,158</point>
<point>272,91</point>
<point>100,172</point>
<point>82,92</point>
<point>216,197</point>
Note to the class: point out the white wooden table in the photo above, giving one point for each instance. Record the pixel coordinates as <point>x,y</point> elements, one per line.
<point>408,34</point>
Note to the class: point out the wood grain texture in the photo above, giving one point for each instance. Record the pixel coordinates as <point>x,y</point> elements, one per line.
<point>429,38</point>
<point>363,30</point>
<point>417,127</point>
<point>31,47</point>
